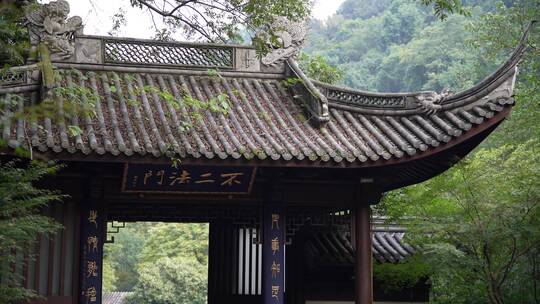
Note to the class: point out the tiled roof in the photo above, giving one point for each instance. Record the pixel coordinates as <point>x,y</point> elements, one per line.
<point>331,247</point>
<point>268,120</point>
<point>115,297</point>
<point>264,121</point>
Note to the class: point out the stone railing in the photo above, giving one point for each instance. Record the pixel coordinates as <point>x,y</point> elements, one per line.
<point>142,52</point>
<point>163,53</point>
<point>12,77</point>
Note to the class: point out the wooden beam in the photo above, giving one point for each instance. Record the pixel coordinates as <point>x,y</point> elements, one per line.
<point>363,267</point>
<point>52,247</point>
<point>64,233</point>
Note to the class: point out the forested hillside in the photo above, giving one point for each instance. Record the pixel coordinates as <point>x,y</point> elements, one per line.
<point>401,46</point>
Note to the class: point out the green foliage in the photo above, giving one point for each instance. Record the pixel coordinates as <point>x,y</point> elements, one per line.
<point>477,224</point>
<point>316,67</point>
<point>176,240</point>
<point>109,276</point>
<point>143,250</point>
<point>223,20</point>
<point>442,8</point>
<point>124,255</point>
<point>399,46</point>
<point>14,45</point>
<point>20,221</point>
<point>497,33</point>
<point>406,274</point>
<point>354,9</point>
<point>171,280</point>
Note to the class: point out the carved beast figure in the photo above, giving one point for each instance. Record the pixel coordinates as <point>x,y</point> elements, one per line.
<point>50,24</point>
<point>290,36</point>
<point>430,101</point>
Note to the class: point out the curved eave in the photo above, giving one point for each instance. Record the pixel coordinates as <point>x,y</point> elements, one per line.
<point>276,137</point>
<point>266,124</point>
<point>420,164</point>
<point>419,170</point>
<point>505,73</point>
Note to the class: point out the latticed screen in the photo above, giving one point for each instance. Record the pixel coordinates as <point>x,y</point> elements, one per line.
<point>366,100</point>
<point>10,77</point>
<point>249,262</point>
<point>136,52</point>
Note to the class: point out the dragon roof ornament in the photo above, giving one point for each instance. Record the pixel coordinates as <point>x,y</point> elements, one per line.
<point>290,37</point>
<point>49,24</point>
<point>430,101</point>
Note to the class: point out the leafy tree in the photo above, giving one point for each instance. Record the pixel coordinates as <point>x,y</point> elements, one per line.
<point>173,240</point>
<point>497,33</point>
<point>402,47</point>
<point>109,276</point>
<point>124,255</point>
<point>21,222</point>
<point>436,58</point>
<point>14,43</point>
<point>140,245</point>
<point>171,280</point>
<point>353,9</point>
<point>225,20</point>
<point>319,69</point>
<point>222,20</point>
<point>405,274</point>
<point>477,224</point>
<point>455,54</point>
<point>442,8</point>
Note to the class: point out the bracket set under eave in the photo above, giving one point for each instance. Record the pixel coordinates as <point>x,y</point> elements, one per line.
<point>316,104</point>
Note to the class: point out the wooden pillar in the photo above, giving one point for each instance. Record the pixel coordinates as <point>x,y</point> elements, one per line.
<point>363,267</point>
<point>92,237</point>
<point>273,255</point>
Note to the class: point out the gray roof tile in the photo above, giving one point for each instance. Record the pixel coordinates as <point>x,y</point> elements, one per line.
<point>144,110</point>
<point>264,121</point>
<point>329,247</point>
<point>115,297</point>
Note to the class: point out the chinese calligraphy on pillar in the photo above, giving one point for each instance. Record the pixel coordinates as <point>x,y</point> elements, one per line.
<point>188,179</point>
<point>273,256</point>
<point>91,255</point>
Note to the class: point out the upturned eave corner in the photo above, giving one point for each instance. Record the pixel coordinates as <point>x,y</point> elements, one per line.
<point>497,88</point>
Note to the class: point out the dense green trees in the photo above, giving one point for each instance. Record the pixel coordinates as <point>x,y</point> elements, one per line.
<point>123,256</point>
<point>14,44</point>
<point>159,262</point>
<point>400,46</point>
<point>21,222</point>
<point>478,226</point>
<point>171,280</point>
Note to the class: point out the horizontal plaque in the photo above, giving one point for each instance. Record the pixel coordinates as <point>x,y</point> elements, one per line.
<point>144,178</point>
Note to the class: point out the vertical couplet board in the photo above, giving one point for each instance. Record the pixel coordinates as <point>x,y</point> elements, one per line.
<point>91,262</point>
<point>273,255</point>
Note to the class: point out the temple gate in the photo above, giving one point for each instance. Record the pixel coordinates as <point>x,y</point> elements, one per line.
<point>284,168</point>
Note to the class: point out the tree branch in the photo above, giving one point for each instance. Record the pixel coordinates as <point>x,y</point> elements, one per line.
<point>162,12</point>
